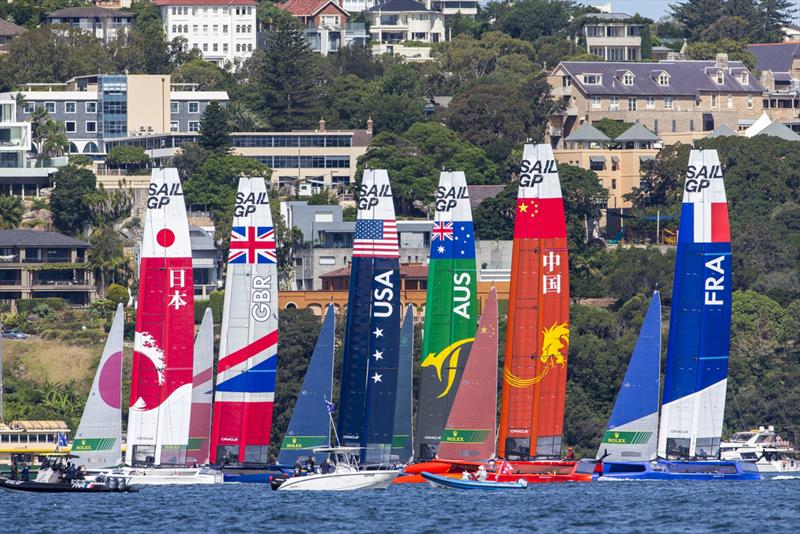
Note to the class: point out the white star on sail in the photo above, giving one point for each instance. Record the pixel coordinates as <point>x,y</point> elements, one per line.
<point>440,250</point>
<point>378,355</point>
<point>376,378</point>
<point>378,332</point>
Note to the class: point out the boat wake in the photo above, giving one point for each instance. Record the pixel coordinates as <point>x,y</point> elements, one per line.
<point>785,477</point>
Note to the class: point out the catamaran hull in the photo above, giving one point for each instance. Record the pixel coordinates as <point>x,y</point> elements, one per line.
<point>254,475</point>
<point>680,470</point>
<point>341,481</point>
<point>170,477</point>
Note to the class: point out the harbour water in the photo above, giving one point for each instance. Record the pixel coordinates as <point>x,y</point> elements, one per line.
<point>620,507</point>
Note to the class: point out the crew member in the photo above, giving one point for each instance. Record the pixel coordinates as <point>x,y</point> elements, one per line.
<point>570,455</point>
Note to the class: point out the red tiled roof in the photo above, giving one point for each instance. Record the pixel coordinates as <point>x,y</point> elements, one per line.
<point>205,2</point>
<point>307,8</point>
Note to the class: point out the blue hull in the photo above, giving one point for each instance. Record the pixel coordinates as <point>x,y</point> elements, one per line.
<point>681,470</point>
<point>457,483</point>
<point>253,475</point>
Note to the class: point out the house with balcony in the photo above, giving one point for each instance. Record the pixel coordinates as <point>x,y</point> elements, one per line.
<point>405,28</point>
<point>327,23</point>
<point>104,23</point>
<point>613,36</point>
<point>37,264</point>
<point>779,64</point>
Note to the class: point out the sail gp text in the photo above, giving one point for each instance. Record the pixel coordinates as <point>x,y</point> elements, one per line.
<point>532,173</point>
<point>246,204</point>
<point>699,179</point>
<point>369,196</point>
<point>158,196</point>
<point>261,291</point>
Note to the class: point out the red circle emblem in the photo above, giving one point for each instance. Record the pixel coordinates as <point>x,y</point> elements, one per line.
<point>165,237</point>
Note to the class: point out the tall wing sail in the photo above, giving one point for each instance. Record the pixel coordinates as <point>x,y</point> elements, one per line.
<point>247,366</point>
<point>535,368</point>
<point>310,426</point>
<point>450,311</point>
<point>632,431</point>
<point>401,444</point>
<point>161,388</point>
<point>202,393</point>
<point>372,333</point>
<point>696,375</point>
<point>98,441</point>
<point>470,430</point>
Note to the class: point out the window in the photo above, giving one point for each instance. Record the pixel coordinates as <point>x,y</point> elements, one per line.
<point>205,47</point>
<point>596,102</point>
<point>730,101</point>
<point>592,79</point>
<point>691,125</point>
<point>185,28</point>
<point>224,28</point>
<point>173,126</point>
<point>627,78</point>
<point>598,51</point>
<point>115,108</point>
<point>194,126</point>
<point>745,78</point>
<point>668,102</point>
<point>613,104</point>
<point>720,77</point>
<point>214,47</point>
<point>174,107</point>
<point>173,28</point>
<point>749,101</point>
<point>631,103</point>
<point>194,28</point>
<point>205,29</point>
<point>329,20</point>
<point>194,107</point>
<point>70,127</point>
<point>238,47</point>
<point>215,29</point>
<point>655,126</point>
<point>663,79</point>
<point>91,107</point>
<point>70,107</point>
<point>713,101</point>
<point>613,183</point>
<point>91,126</point>
<point>250,47</point>
<point>50,107</point>
<point>224,47</point>
<point>238,28</point>
<point>651,102</point>
<point>674,126</point>
<point>28,107</point>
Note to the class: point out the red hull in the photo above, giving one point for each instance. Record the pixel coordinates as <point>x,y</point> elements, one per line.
<point>533,472</point>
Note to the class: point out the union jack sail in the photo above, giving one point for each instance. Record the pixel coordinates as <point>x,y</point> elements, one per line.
<point>252,244</point>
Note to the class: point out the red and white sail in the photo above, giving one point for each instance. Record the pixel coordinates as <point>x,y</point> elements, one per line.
<point>161,386</point>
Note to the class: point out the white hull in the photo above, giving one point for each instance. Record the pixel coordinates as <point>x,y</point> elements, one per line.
<point>341,481</point>
<point>165,476</point>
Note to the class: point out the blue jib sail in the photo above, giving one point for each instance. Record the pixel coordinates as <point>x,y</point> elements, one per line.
<point>401,444</point>
<point>310,426</point>
<point>632,431</point>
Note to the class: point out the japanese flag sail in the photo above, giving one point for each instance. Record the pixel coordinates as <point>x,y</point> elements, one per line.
<point>161,386</point>
<point>535,368</point>
<point>696,375</point>
<point>248,348</point>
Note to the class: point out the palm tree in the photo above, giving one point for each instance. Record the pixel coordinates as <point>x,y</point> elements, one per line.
<point>54,141</point>
<point>243,119</point>
<point>11,212</point>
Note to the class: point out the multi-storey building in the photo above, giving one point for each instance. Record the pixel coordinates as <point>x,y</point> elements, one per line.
<point>105,24</point>
<point>8,31</point>
<point>779,64</point>
<point>405,28</point>
<point>327,23</point>
<point>37,264</point>
<point>95,109</point>
<point>613,36</point>
<point>223,30</point>
<point>678,100</point>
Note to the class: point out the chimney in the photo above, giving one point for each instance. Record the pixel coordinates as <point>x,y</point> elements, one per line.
<point>722,60</point>
<point>369,125</point>
<point>322,124</point>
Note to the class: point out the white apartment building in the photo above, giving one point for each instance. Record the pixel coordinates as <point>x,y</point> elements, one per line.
<point>405,28</point>
<point>613,36</point>
<point>223,30</point>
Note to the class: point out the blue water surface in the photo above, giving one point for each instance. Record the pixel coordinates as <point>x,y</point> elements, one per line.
<point>622,507</point>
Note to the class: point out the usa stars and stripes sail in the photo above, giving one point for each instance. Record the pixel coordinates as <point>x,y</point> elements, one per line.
<point>245,389</point>
<point>367,399</point>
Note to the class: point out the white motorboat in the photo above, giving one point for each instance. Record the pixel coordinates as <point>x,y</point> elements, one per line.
<point>163,476</point>
<point>765,448</point>
<point>340,473</point>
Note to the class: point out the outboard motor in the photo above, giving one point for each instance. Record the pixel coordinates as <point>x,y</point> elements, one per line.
<point>276,481</point>
<point>113,483</point>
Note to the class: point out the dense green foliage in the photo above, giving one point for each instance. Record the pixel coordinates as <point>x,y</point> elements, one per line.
<point>215,130</point>
<point>11,212</point>
<point>71,199</point>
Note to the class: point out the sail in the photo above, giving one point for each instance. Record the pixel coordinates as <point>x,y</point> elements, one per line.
<point>372,332</point>
<point>696,374</point>
<point>161,386</point>
<point>310,426</point>
<point>98,440</point>
<point>535,368</point>
<point>632,431</point>
<point>470,430</point>
<point>202,392</point>
<point>451,314</point>
<point>401,444</point>
<point>248,347</point>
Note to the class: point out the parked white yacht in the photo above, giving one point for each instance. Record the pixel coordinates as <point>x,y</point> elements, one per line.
<point>345,474</point>
<point>765,448</point>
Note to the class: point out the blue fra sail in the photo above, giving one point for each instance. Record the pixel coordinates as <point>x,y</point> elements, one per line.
<point>696,375</point>
<point>310,426</point>
<point>632,431</point>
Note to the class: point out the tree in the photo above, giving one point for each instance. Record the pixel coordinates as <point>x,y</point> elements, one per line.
<point>345,102</point>
<point>661,182</point>
<point>532,19</point>
<point>286,82</point>
<point>107,257</point>
<point>52,140</point>
<point>584,199</point>
<point>736,50</point>
<point>205,74</point>
<point>354,60</point>
<point>612,128</point>
<point>118,294</point>
<point>751,20</point>
<point>71,199</point>
<point>494,217</point>
<point>215,132</point>
<point>127,157</point>
<point>240,118</point>
<point>647,42</point>
<point>143,49</point>
<point>11,212</point>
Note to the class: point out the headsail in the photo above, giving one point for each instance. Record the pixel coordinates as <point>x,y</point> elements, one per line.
<point>535,369</point>
<point>470,431</point>
<point>98,441</point>
<point>401,443</point>
<point>310,426</point>
<point>451,312</point>
<point>696,374</point>
<point>632,431</point>
<point>161,388</point>
<point>202,393</point>
<point>372,333</point>
<point>248,348</point>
